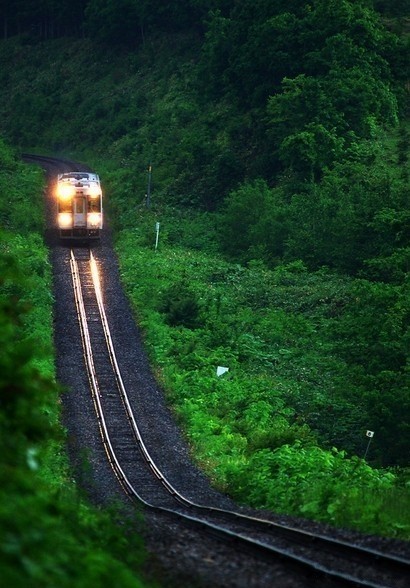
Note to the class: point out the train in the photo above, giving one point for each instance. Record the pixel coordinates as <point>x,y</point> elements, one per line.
<point>80,210</point>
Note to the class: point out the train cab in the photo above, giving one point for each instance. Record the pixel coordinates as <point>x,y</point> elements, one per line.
<point>80,212</point>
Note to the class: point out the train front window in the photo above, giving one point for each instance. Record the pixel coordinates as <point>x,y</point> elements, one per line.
<point>64,206</point>
<point>94,205</point>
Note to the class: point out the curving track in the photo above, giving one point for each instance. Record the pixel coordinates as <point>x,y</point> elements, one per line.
<point>144,481</point>
<point>132,451</point>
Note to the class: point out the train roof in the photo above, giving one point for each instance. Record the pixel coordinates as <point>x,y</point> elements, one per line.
<point>78,176</point>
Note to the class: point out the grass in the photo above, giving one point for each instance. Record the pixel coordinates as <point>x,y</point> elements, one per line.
<point>270,327</point>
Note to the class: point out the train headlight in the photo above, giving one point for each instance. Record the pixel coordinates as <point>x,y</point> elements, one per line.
<point>65,191</point>
<point>94,219</point>
<point>94,191</point>
<point>65,220</point>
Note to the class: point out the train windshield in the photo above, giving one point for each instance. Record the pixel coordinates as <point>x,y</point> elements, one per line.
<point>94,205</point>
<point>64,206</point>
<point>79,176</point>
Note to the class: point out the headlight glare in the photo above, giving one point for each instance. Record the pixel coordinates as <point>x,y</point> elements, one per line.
<point>65,191</point>
<point>65,220</point>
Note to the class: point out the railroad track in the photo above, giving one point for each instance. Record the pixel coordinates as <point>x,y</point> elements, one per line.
<point>144,482</point>
<point>54,163</point>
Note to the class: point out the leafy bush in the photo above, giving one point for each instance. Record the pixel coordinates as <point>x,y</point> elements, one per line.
<point>256,430</point>
<point>180,306</point>
<point>253,223</point>
<point>324,485</point>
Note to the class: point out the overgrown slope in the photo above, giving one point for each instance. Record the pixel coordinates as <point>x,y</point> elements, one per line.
<point>279,148</point>
<point>48,535</point>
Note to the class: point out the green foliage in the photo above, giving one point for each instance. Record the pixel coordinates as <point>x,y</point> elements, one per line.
<point>315,120</point>
<point>354,220</point>
<point>34,293</point>
<point>290,387</point>
<point>180,306</point>
<point>311,150</point>
<point>114,23</point>
<point>104,21</point>
<point>23,423</point>
<point>253,223</point>
<point>285,121</point>
<point>19,188</point>
<point>327,485</point>
<point>126,23</point>
<point>373,335</point>
<point>48,536</point>
<point>392,7</point>
<point>324,68</point>
<point>34,20</point>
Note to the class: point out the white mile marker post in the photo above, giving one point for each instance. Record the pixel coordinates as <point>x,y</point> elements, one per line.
<point>157,235</point>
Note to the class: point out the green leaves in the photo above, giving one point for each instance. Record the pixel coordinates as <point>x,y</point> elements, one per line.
<point>373,335</point>
<point>253,223</point>
<point>17,212</point>
<point>310,151</point>
<point>180,306</point>
<point>264,430</point>
<point>324,485</point>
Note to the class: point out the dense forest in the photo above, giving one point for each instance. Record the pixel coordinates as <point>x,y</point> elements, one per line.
<point>278,135</point>
<point>304,98</point>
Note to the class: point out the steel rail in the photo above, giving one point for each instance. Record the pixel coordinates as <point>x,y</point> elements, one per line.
<point>319,541</point>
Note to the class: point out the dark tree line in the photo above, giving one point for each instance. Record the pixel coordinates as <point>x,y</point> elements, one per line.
<point>121,22</point>
<point>125,22</point>
<point>44,19</point>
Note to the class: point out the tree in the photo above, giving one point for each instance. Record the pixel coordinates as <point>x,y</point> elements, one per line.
<point>253,223</point>
<point>310,151</point>
<point>392,7</point>
<point>373,336</point>
<point>42,18</point>
<point>115,23</point>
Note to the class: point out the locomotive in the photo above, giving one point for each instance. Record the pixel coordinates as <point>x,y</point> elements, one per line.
<point>79,198</point>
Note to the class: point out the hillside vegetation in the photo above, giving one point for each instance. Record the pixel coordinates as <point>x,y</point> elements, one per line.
<point>278,138</point>
<point>49,536</point>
